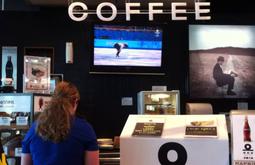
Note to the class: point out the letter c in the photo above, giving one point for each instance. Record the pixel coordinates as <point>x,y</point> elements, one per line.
<point>72,12</point>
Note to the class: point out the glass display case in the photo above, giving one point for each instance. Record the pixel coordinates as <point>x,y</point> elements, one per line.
<point>159,102</point>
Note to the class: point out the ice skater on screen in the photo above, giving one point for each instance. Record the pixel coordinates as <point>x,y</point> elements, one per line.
<point>119,46</point>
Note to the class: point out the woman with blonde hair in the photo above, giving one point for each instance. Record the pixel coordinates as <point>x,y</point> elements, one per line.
<point>58,137</point>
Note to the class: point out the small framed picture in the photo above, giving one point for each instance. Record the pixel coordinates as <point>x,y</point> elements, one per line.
<point>41,101</point>
<point>36,74</point>
<point>38,64</point>
<point>54,80</point>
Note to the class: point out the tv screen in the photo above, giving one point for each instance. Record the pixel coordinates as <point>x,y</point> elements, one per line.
<point>221,61</point>
<point>127,48</point>
<point>15,109</point>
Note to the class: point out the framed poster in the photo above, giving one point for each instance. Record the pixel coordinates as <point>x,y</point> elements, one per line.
<point>221,61</point>
<point>9,66</point>
<point>41,52</point>
<point>36,74</point>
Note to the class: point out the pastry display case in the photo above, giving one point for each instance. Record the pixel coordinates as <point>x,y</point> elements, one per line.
<point>159,102</point>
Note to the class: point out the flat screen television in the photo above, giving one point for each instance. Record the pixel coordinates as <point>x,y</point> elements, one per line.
<point>127,49</point>
<point>15,109</point>
<point>221,61</point>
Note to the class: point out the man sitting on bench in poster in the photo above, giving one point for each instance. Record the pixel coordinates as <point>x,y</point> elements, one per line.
<point>224,79</point>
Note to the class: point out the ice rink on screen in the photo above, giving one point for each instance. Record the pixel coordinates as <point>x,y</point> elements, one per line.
<point>127,57</point>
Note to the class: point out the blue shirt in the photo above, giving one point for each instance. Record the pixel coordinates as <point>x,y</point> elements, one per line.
<point>70,151</point>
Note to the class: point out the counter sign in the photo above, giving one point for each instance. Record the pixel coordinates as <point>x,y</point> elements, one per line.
<point>148,129</point>
<point>243,139</point>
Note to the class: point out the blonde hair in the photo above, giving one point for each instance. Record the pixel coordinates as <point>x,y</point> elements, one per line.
<point>54,122</point>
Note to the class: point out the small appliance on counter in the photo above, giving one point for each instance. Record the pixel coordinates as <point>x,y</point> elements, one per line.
<point>159,102</point>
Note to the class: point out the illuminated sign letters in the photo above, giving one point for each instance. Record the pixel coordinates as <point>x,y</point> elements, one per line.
<point>113,14</point>
<point>201,11</point>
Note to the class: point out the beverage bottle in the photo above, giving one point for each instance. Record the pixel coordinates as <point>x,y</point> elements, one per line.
<point>9,68</point>
<point>246,130</point>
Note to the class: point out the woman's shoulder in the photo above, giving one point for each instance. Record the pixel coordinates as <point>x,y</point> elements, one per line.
<point>31,132</point>
<point>81,122</point>
<point>81,126</point>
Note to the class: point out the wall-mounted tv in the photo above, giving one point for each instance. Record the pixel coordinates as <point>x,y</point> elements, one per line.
<point>221,61</point>
<point>16,109</point>
<point>127,49</point>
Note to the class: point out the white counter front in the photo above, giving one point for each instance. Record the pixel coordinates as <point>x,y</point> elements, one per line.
<point>173,146</point>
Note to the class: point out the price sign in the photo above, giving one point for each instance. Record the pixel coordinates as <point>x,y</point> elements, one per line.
<point>5,121</point>
<point>22,120</point>
<point>201,131</point>
<point>148,129</point>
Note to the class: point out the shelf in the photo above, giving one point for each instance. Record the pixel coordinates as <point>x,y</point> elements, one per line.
<point>16,157</point>
<point>109,160</point>
<point>14,127</point>
<point>156,104</point>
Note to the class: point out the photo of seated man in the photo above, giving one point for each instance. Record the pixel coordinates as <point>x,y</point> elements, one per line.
<point>222,78</point>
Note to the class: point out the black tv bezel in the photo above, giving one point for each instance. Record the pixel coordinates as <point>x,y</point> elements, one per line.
<point>188,78</point>
<point>127,70</point>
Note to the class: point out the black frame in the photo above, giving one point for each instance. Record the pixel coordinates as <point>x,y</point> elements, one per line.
<point>127,70</point>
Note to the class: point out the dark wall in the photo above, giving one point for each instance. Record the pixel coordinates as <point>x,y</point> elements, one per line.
<point>101,94</point>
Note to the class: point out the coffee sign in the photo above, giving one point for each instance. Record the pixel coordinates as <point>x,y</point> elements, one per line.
<point>201,11</point>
